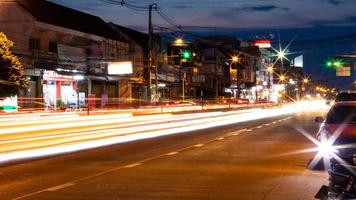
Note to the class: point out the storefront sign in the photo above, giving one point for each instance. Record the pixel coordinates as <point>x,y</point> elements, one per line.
<point>120,68</point>
<point>9,104</point>
<point>262,43</point>
<point>52,75</point>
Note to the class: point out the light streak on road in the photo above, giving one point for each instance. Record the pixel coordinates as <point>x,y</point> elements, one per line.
<point>50,136</point>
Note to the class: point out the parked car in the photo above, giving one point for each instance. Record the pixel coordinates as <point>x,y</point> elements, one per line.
<point>337,135</point>
<point>349,95</point>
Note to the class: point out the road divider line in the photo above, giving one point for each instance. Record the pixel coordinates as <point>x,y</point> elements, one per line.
<point>198,145</point>
<point>133,165</point>
<point>59,187</point>
<point>172,153</point>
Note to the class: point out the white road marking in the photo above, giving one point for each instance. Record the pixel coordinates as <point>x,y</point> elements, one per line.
<point>133,165</point>
<point>199,145</point>
<point>52,189</point>
<point>172,153</point>
<point>220,138</point>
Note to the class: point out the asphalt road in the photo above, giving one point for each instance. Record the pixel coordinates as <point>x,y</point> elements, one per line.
<point>251,160</point>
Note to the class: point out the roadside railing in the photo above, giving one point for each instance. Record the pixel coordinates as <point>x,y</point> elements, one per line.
<point>106,105</point>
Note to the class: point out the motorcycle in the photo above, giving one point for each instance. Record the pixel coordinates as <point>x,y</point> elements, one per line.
<point>342,180</point>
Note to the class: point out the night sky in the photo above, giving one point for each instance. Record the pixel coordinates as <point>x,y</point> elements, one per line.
<point>321,28</point>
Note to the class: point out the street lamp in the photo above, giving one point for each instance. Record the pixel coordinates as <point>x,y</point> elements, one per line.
<point>270,69</point>
<point>235,59</point>
<point>281,54</point>
<point>179,42</point>
<point>305,80</point>
<point>282,77</point>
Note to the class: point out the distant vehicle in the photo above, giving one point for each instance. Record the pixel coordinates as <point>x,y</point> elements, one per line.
<point>346,96</point>
<point>337,135</point>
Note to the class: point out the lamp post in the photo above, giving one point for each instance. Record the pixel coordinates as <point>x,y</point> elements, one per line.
<point>270,71</point>
<point>179,42</point>
<point>235,59</point>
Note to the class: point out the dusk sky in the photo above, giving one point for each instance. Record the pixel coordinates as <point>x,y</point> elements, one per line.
<point>229,13</point>
<point>307,20</point>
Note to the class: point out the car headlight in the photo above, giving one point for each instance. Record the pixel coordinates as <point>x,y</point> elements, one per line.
<point>326,148</point>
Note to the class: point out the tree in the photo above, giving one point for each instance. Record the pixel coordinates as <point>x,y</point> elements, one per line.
<point>12,72</point>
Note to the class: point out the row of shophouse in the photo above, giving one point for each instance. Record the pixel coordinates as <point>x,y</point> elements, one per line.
<point>67,53</point>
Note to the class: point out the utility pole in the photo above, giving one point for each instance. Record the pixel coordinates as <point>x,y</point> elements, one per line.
<point>150,59</point>
<point>150,53</point>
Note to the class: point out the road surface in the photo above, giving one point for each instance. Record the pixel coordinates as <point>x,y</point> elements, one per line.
<point>247,160</point>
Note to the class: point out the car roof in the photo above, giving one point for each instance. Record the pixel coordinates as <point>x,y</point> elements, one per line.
<point>347,91</point>
<point>345,103</point>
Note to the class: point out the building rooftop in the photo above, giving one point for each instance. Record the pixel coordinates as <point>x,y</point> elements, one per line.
<point>139,37</point>
<point>55,14</point>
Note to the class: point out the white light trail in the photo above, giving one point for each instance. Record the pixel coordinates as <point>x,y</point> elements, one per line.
<point>54,136</point>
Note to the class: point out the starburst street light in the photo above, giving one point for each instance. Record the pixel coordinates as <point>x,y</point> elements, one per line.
<point>282,77</point>
<point>235,59</point>
<point>305,80</point>
<point>270,69</point>
<point>281,53</point>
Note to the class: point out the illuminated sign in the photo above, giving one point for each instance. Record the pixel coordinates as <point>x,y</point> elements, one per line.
<point>120,68</point>
<point>262,43</point>
<point>343,71</point>
<point>9,104</point>
<point>298,61</point>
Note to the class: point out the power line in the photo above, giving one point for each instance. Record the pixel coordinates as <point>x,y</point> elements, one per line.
<point>127,5</point>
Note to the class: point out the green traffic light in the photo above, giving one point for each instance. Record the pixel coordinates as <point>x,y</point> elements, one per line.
<point>334,63</point>
<point>329,63</point>
<point>187,54</point>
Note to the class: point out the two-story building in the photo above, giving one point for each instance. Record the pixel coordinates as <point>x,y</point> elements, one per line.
<point>66,53</point>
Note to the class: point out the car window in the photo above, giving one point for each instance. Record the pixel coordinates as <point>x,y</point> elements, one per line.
<point>342,115</point>
<point>346,97</point>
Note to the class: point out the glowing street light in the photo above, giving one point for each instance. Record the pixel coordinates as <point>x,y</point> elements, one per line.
<point>282,78</point>
<point>179,42</point>
<point>235,59</point>
<point>281,54</point>
<point>270,69</point>
<point>305,80</point>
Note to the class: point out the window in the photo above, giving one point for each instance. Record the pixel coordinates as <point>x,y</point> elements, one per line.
<point>342,115</point>
<point>52,47</point>
<point>34,44</point>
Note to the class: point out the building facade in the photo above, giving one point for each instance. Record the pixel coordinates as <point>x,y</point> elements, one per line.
<point>66,54</point>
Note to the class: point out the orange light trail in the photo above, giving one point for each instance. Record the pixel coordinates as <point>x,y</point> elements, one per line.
<point>57,135</point>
